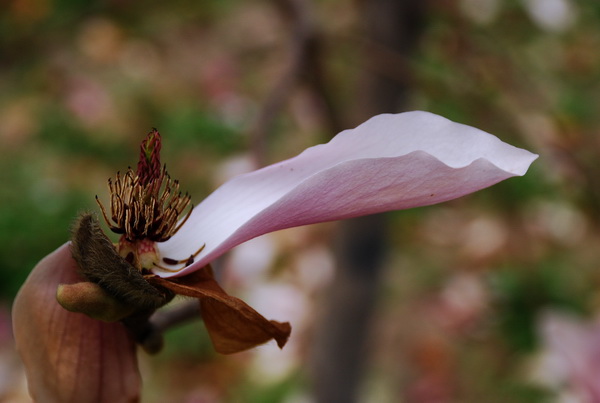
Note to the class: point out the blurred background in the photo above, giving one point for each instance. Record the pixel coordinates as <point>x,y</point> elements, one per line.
<point>492,297</point>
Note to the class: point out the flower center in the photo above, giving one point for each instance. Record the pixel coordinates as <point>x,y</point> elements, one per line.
<point>141,254</point>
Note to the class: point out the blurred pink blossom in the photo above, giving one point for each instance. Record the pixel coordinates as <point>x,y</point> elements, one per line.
<point>575,346</point>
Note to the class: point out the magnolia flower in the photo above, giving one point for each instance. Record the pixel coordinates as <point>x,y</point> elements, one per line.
<point>390,162</point>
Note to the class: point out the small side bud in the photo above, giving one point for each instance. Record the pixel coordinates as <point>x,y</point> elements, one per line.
<point>91,300</point>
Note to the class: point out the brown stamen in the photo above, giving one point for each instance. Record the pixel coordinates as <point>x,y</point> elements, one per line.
<point>185,262</point>
<point>146,204</point>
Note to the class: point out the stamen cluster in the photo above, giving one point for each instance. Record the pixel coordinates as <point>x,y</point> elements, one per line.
<point>146,204</point>
<point>147,211</point>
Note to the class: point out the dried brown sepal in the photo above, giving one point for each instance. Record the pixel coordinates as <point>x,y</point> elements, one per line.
<point>232,324</point>
<point>100,263</point>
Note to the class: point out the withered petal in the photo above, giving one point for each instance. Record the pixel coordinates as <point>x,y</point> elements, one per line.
<point>232,324</point>
<point>68,356</point>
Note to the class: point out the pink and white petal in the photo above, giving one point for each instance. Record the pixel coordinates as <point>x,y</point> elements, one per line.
<point>70,357</point>
<point>390,162</point>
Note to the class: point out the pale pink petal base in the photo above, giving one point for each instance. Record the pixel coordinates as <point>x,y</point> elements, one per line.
<point>390,162</point>
<point>70,357</point>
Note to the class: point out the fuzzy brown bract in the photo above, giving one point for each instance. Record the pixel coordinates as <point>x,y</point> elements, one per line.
<point>100,263</point>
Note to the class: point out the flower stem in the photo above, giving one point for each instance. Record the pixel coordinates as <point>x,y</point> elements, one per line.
<point>147,330</point>
<point>183,313</point>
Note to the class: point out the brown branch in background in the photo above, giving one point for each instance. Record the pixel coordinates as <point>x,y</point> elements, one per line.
<point>304,67</point>
<point>383,61</point>
<point>311,71</point>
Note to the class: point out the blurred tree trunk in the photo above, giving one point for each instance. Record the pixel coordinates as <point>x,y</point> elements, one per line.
<point>340,349</point>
